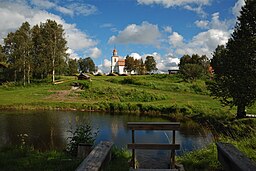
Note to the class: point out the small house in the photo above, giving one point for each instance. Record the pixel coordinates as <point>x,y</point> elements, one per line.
<point>83,76</point>
<point>173,71</point>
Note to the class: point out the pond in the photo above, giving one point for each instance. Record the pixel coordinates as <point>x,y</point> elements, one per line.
<point>46,130</point>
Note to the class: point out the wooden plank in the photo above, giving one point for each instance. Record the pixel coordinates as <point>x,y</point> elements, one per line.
<point>133,150</point>
<point>98,157</point>
<point>153,169</point>
<point>153,125</point>
<point>232,159</point>
<point>154,146</point>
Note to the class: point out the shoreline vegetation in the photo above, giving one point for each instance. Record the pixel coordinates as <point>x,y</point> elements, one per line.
<point>159,95</point>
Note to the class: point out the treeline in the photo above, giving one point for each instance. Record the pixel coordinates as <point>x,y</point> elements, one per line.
<point>138,66</point>
<point>36,53</point>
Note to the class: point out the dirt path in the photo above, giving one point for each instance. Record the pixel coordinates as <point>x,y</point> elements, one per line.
<point>65,95</point>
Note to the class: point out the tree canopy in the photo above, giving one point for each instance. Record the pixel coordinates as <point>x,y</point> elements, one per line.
<point>129,64</point>
<point>150,64</point>
<point>86,65</point>
<point>234,65</point>
<point>35,52</point>
<point>193,67</point>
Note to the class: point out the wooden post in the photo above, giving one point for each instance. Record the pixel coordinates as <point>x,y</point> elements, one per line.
<point>173,151</point>
<point>133,151</point>
<point>83,150</point>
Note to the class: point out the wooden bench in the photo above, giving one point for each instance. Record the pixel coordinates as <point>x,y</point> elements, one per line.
<point>98,157</point>
<point>232,159</point>
<point>154,126</point>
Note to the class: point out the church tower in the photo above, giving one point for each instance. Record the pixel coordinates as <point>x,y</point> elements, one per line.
<point>114,62</point>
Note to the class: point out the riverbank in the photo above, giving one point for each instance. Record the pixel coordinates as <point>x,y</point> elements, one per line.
<point>160,95</point>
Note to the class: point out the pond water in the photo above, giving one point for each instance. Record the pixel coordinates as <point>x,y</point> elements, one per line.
<point>49,130</point>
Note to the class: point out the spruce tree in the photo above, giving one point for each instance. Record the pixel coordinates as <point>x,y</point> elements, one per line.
<point>235,65</point>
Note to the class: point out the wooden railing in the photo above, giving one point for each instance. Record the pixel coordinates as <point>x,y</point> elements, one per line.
<point>173,126</point>
<point>232,159</point>
<point>98,158</point>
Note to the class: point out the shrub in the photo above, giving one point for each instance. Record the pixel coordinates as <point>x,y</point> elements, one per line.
<point>82,134</point>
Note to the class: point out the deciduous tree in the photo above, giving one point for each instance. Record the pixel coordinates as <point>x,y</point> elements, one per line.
<point>150,64</point>
<point>86,65</point>
<point>129,64</point>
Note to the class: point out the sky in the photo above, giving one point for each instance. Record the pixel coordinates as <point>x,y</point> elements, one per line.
<point>165,29</point>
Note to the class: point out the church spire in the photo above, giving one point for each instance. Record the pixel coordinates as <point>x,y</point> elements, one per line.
<point>114,52</point>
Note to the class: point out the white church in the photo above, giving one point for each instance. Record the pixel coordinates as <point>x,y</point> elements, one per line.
<point>117,63</point>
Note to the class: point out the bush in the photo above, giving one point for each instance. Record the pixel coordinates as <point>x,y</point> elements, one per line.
<point>82,134</point>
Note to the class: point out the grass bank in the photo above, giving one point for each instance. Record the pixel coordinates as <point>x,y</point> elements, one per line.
<point>25,159</point>
<point>160,95</point>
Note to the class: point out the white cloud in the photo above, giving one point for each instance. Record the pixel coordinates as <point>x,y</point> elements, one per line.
<point>204,43</point>
<point>94,52</point>
<point>71,9</point>
<point>83,9</point>
<point>14,13</point>
<point>199,10</point>
<point>171,3</point>
<point>105,66</point>
<point>135,55</point>
<point>164,63</point>
<point>237,8</point>
<point>72,54</point>
<point>192,5</point>
<point>44,4</point>
<point>65,10</point>
<point>145,33</point>
<point>168,29</point>
<point>215,23</point>
<point>203,24</point>
<point>176,39</point>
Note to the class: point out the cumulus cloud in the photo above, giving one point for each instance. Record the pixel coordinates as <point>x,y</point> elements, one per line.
<point>215,23</point>
<point>105,66</point>
<point>145,33</point>
<point>135,55</point>
<point>164,63</point>
<point>168,29</point>
<point>237,8</point>
<point>94,52</point>
<point>14,13</point>
<point>203,24</point>
<point>72,54</point>
<point>204,43</point>
<point>176,39</point>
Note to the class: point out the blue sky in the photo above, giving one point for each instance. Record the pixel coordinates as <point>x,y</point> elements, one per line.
<point>165,29</point>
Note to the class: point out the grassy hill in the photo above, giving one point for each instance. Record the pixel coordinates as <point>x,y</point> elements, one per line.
<point>163,95</point>
<point>151,93</point>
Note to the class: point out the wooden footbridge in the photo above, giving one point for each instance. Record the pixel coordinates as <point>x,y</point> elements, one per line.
<point>163,126</point>
<point>101,154</point>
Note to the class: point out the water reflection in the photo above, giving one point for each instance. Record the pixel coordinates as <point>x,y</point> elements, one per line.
<point>48,130</point>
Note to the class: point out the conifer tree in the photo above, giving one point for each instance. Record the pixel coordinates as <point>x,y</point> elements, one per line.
<point>234,66</point>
